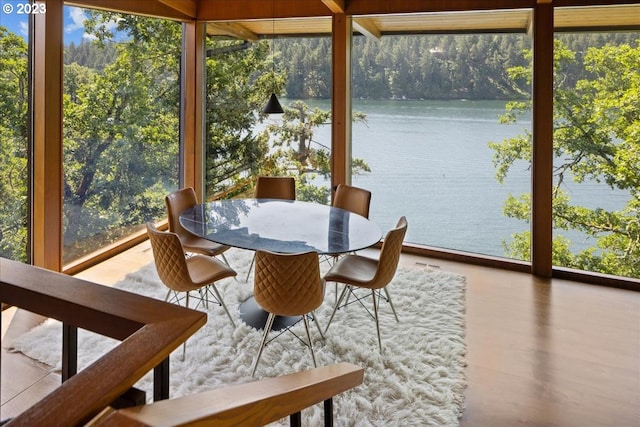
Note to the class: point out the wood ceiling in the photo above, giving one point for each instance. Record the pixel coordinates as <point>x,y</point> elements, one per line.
<point>622,17</point>
<point>256,19</point>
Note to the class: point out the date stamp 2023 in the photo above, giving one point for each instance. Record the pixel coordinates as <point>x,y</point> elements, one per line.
<point>23,8</point>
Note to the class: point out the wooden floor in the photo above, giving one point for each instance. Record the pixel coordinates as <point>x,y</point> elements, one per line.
<point>539,353</point>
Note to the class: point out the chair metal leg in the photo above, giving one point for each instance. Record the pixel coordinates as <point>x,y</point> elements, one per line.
<point>224,258</point>
<point>386,291</point>
<point>253,260</point>
<point>226,261</point>
<point>204,297</point>
<point>221,301</point>
<point>306,327</point>
<point>346,302</point>
<point>184,344</point>
<point>315,320</point>
<point>267,328</point>
<point>335,308</point>
<point>375,311</point>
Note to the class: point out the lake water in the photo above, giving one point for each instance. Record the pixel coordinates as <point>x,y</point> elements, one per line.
<point>430,162</point>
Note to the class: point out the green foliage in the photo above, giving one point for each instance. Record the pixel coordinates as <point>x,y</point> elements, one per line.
<point>238,83</point>
<point>296,152</point>
<point>120,130</point>
<point>596,137</point>
<point>13,146</point>
<point>412,67</point>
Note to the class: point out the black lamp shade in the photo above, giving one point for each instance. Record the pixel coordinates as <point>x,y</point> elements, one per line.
<point>273,106</point>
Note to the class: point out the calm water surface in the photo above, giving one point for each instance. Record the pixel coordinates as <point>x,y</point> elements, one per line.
<point>430,161</point>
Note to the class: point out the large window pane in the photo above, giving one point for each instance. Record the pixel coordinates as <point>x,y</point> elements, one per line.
<point>14,98</point>
<point>242,141</point>
<point>121,125</point>
<point>433,104</point>
<point>597,145</point>
<point>238,80</point>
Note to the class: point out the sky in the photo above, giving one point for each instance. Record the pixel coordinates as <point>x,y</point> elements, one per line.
<point>16,22</point>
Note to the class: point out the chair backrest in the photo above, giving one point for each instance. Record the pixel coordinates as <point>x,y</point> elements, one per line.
<point>169,258</point>
<point>288,284</point>
<point>276,187</point>
<point>389,255</point>
<point>352,199</point>
<point>178,202</point>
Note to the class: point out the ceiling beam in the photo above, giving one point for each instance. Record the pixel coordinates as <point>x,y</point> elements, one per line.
<point>234,30</point>
<point>146,8</point>
<point>232,10</point>
<point>367,28</point>
<point>335,6</point>
<point>187,7</point>
<point>367,7</point>
<point>565,3</point>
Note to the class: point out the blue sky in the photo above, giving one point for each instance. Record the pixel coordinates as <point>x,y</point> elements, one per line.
<point>73,21</point>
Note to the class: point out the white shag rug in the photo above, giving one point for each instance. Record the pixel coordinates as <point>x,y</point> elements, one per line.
<point>419,378</point>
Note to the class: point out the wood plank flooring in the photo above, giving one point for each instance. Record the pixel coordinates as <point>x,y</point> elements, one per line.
<point>539,352</point>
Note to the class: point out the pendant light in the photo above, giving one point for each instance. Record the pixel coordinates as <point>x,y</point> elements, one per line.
<point>273,105</point>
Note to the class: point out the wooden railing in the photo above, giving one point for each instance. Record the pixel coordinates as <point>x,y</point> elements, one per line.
<point>250,404</point>
<point>149,330</point>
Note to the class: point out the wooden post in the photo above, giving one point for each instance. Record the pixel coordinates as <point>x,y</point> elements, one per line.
<point>341,100</point>
<point>47,196</point>
<point>192,140</point>
<point>542,155</point>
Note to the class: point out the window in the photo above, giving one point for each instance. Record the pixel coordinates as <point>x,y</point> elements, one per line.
<point>121,125</point>
<point>596,110</point>
<point>433,105</point>
<point>14,125</point>
<point>237,83</point>
<point>241,141</point>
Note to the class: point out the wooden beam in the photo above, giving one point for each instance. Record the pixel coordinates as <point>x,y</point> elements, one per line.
<point>368,7</point>
<point>542,128</point>
<point>565,3</point>
<point>185,7</point>
<point>341,100</point>
<point>153,8</point>
<point>367,27</point>
<point>529,30</point>
<point>234,29</point>
<point>335,6</point>
<point>200,112</point>
<point>231,10</point>
<point>190,135</point>
<point>47,195</point>
<point>255,403</point>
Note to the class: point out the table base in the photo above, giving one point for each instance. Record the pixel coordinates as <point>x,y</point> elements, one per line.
<point>255,316</point>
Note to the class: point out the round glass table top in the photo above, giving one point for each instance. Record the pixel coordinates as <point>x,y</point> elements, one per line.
<point>283,226</point>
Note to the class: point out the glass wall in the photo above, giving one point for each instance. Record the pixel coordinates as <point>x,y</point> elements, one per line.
<point>14,133</point>
<point>437,113</point>
<point>242,141</point>
<point>121,125</point>
<point>597,146</point>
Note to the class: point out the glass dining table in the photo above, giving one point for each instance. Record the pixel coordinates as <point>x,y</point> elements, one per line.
<point>284,226</point>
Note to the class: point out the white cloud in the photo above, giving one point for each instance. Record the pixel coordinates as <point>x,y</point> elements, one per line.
<point>78,17</point>
<point>24,28</point>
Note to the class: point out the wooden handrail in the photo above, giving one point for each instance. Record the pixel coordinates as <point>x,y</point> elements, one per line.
<point>249,404</point>
<point>150,330</point>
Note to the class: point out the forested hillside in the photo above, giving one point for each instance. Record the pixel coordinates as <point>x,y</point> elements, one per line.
<point>425,67</point>
<point>402,67</point>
